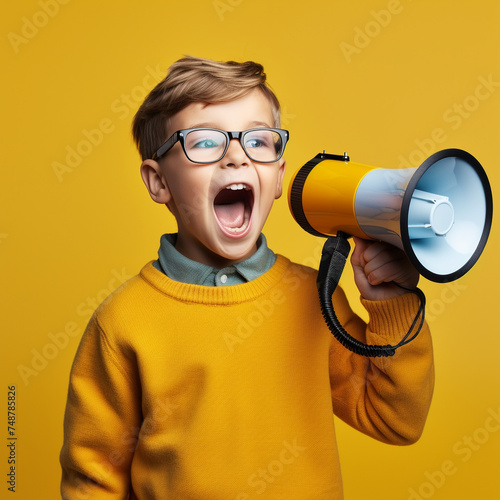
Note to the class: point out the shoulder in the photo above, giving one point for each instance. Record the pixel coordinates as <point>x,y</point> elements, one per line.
<point>128,302</point>
<point>297,277</point>
<point>293,269</point>
<point>302,280</point>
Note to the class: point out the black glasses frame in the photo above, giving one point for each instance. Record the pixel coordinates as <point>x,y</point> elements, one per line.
<point>180,136</point>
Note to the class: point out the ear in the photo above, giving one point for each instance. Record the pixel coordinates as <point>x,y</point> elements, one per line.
<point>155,181</point>
<point>281,175</point>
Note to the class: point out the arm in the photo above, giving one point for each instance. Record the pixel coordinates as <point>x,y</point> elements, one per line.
<point>386,398</point>
<point>101,421</point>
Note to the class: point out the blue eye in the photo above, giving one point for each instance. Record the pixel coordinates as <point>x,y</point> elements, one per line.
<point>255,142</point>
<point>206,143</point>
<point>261,139</point>
<point>205,139</point>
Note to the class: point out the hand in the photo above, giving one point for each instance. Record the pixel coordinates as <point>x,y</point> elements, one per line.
<point>376,264</point>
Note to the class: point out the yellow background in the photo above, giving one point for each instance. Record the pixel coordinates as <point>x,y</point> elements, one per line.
<point>384,80</point>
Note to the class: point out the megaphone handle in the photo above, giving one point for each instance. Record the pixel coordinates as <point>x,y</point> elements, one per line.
<point>335,252</point>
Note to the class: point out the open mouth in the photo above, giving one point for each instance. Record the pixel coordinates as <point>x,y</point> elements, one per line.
<point>233,209</point>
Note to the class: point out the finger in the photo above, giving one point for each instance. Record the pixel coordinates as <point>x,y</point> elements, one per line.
<point>357,256</point>
<point>375,248</point>
<point>387,271</point>
<point>379,255</point>
<point>383,263</point>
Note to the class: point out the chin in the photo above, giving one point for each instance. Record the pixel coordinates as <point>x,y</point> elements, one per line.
<point>239,251</point>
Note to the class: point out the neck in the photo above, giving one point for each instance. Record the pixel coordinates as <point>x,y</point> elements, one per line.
<point>209,258</point>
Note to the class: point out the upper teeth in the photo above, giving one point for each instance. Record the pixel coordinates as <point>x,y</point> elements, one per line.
<point>236,187</point>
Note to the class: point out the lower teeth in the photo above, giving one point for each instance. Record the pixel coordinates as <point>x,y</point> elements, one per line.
<point>237,229</point>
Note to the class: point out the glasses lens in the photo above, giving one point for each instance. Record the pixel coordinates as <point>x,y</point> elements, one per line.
<point>205,145</point>
<point>263,145</point>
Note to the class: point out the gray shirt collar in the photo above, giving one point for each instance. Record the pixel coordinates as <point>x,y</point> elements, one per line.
<point>180,268</point>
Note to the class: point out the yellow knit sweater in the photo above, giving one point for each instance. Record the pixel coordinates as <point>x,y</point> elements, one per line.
<point>228,393</point>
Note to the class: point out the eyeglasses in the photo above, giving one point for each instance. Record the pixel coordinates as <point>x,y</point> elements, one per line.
<point>209,145</point>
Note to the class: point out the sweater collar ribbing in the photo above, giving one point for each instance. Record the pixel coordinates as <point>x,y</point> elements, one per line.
<point>210,295</point>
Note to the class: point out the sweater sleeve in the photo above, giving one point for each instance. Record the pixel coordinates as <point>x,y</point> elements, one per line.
<point>101,420</point>
<point>386,398</point>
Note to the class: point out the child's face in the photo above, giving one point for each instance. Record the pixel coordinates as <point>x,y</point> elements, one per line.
<point>217,225</point>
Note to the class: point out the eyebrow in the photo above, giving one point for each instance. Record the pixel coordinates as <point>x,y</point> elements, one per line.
<point>254,124</point>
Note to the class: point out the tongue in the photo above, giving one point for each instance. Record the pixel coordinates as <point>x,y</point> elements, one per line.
<point>231,214</point>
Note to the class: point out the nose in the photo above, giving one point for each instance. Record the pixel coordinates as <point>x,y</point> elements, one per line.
<point>235,155</point>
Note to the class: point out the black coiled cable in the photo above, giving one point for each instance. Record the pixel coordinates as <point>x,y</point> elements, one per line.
<point>335,252</point>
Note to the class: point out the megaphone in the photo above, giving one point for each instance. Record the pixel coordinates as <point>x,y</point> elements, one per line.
<point>439,213</point>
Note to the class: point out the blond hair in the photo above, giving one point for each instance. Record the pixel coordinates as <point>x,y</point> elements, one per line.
<point>190,80</point>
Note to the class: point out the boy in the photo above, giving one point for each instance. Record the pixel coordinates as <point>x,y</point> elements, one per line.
<point>211,374</point>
